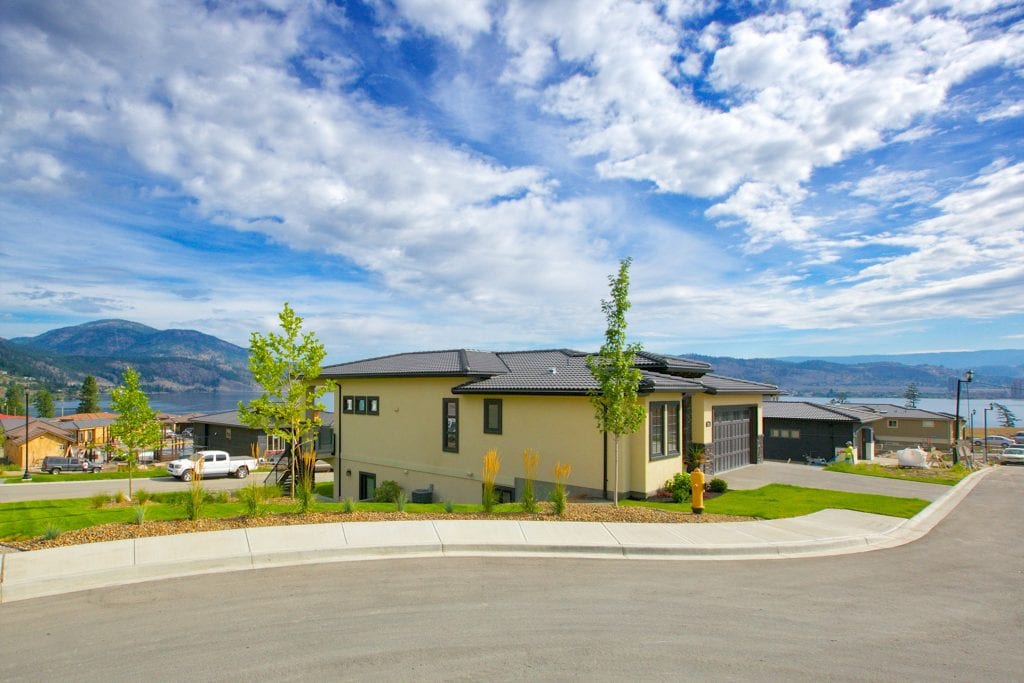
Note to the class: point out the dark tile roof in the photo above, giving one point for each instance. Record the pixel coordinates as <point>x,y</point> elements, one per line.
<point>229,418</point>
<point>892,410</point>
<point>457,363</point>
<point>806,410</point>
<point>553,371</point>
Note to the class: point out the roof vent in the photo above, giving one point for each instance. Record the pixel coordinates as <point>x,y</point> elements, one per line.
<point>552,371</point>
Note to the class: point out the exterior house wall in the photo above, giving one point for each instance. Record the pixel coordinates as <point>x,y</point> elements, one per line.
<point>39,447</point>
<point>815,438</point>
<point>404,442</point>
<point>915,432</point>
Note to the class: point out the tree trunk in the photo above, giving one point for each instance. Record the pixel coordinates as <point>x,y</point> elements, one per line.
<point>615,494</point>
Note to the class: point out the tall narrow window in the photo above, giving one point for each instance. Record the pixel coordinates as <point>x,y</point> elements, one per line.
<point>492,415</point>
<point>664,429</point>
<point>450,425</point>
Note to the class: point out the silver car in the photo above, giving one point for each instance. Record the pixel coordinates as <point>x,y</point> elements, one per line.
<point>1014,455</point>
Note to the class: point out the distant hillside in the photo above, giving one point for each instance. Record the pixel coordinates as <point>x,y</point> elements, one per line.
<point>168,360</point>
<point>826,378</point>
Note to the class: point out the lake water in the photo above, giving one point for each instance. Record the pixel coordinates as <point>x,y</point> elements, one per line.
<point>185,402</point>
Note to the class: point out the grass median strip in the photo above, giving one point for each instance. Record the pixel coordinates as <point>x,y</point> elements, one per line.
<point>38,477</point>
<point>777,501</point>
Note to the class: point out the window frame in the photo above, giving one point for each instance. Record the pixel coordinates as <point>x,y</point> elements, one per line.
<point>665,411</point>
<point>373,405</point>
<point>445,428</point>
<point>488,403</point>
<point>348,404</point>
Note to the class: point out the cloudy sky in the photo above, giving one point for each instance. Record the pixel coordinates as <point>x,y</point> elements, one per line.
<point>813,177</point>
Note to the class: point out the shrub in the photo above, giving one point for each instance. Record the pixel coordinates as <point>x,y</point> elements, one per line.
<point>492,463</point>
<point>215,497</point>
<point>98,500</point>
<point>558,497</point>
<point>252,497</point>
<point>718,485</point>
<point>449,506</point>
<point>530,462</point>
<point>142,496</point>
<point>679,487</point>
<point>52,532</point>
<point>695,457</point>
<point>387,492</point>
<point>305,498</point>
<point>400,501</point>
<point>120,497</point>
<point>348,506</point>
<point>140,514</point>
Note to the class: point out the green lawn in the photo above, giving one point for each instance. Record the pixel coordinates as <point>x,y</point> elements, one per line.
<point>947,476</point>
<point>776,501</point>
<point>88,476</point>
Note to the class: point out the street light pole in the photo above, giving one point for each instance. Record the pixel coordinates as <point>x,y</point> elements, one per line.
<point>985,415</point>
<point>969,375</point>
<point>26,476</point>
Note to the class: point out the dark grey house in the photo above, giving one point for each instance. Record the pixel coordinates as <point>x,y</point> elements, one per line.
<point>800,430</point>
<point>226,432</point>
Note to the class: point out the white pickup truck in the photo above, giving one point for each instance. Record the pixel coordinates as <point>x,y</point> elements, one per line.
<point>215,464</point>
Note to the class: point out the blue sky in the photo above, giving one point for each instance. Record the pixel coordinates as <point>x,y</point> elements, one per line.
<point>790,178</point>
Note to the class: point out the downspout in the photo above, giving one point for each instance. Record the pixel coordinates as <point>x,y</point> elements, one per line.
<point>604,490</point>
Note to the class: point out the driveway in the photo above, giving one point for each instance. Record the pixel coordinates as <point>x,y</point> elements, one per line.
<point>756,476</point>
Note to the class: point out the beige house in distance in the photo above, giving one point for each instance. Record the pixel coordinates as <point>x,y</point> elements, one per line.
<point>425,420</point>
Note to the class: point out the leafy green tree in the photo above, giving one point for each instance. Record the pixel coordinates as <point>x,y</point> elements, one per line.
<point>89,396</point>
<point>912,396</point>
<point>616,407</point>
<point>43,401</point>
<point>841,398</point>
<point>1006,416</point>
<point>287,366</point>
<point>14,400</point>
<point>136,425</point>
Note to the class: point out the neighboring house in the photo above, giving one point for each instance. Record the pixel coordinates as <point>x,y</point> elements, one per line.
<point>43,439</point>
<point>425,420</point>
<point>225,432</point>
<point>901,427</point>
<point>91,430</point>
<point>796,430</point>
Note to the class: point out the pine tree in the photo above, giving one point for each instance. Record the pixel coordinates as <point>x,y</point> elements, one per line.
<point>14,400</point>
<point>89,396</point>
<point>912,395</point>
<point>1006,416</point>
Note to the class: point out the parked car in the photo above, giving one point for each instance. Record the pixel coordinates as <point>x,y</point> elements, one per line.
<point>1018,438</point>
<point>55,465</point>
<point>995,440</point>
<point>215,464</point>
<point>1014,455</point>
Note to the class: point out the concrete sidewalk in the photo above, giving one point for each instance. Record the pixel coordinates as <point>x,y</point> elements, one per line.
<point>829,532</point>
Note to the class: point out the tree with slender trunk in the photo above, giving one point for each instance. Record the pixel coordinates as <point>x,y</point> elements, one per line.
<point>287,366</point>
<point>43,401</point>
<point>14,402</point>
<point>89,396</point>
<point>616,406</point>
<point>1006,416</point>
<point>136,426</point>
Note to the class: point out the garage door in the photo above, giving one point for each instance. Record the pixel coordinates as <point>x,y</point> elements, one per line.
<point>731,438</point>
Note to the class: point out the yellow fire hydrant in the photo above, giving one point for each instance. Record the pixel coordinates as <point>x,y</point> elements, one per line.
<point>697,491</point>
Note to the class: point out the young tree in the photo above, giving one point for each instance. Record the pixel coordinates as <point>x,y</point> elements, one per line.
<point>286,366</point>
<point>616,407</point>
<point>912,396</point>
<point>1006,416</point>
<point>89,396</point>
<point>43,401</point>
<point>136,425</point>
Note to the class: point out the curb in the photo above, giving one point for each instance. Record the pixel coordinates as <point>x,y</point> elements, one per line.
<point>69,569</point>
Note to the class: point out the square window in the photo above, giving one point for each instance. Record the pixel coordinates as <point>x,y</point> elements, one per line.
<point>492,415</point>
<point>893,424</point>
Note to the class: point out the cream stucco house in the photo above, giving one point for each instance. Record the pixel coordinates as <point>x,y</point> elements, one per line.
<point>425,420</point>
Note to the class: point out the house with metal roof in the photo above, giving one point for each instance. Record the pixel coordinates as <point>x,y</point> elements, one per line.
<point>425,420</point>
<point>802,430</point>
<point>40,440</point>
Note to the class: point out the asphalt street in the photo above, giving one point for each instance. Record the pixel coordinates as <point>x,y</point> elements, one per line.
<point>945,607</point>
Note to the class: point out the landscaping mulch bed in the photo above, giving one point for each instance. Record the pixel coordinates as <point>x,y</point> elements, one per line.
<point>574,512</point>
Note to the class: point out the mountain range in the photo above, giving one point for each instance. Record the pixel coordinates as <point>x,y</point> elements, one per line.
<point>187,360</point>
<point>167,360</point>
